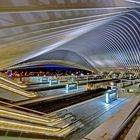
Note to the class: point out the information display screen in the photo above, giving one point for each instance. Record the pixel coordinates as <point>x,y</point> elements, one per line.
<point>54,82</point>
<point>111,95</point>
<point>45,79</point>
<point>71,86</point>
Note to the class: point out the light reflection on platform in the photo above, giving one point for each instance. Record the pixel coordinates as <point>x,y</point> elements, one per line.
<point>94,112</point>
<point>61,91</point>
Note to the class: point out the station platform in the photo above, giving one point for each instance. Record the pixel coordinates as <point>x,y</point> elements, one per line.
<point>62,91</point>
<point>43,86</point>
<point>116,124</point>
<point>51,95</point>
<point>94,112</point>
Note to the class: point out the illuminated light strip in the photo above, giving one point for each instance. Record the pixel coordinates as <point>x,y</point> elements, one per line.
<point>133,1</point>
<point>48,48</point>
<point>7,113</point>
<point>18,91</point>
<point>115,47</point>
<point>29,127</point>
<point>41,41</point>
<point>22,86</point>
<point>114,34</point>
<point>130,33</point>
<point>108,50</point>
<point>52,33</point>
<point>79,25</point>
<point>64,20</point>
<point>127,34</point>
<point>46,36</point>
<point>120,31</point>
<point>38,9</point>
<point>65,63</point>
<point>52,120</point>
<point>55,45</point>
<point>120,48</point>
<point>135,34</point>
<point>108,47</point>
<point>33,112</point>
<point>112,40</point>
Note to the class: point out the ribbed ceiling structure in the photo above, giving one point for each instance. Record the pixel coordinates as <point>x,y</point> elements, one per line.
<point>97,35</point>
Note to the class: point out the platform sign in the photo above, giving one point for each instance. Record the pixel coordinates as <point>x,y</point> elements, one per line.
<point>111,95</point>
<point>54,82</point>
<point>45,79</point>
<point>35,79</point>
<point>71,86</point>
<point>113,75</point>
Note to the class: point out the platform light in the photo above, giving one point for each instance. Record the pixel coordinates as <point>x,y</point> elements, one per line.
<point>111,83</point>
<point>131,90</point>
<point>71,86</point>
<point>107,98</point>
<point>110,96</point>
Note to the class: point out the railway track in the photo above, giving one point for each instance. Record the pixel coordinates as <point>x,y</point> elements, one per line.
<point>50,106</point>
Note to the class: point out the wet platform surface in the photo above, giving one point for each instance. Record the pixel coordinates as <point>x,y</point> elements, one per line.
<point>55,94</point>
<point>94,112</point>
<point>61,91</point>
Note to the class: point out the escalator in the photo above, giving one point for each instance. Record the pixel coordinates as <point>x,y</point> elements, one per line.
<point>17,123</point>
<point>3,77</point>
<point>10,90</point>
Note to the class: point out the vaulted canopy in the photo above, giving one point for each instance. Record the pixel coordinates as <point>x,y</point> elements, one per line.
<point>90,34</point>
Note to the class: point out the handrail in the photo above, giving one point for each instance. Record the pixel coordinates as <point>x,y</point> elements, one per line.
<point>17,91</point>
<point>126,121</point>
<point>60,123</point>
<point>22,108</point>
<point>63,77</point>
<point>8,80</point>
<point>11,124</point>
<point>43,127</point>
<point>44,131</point>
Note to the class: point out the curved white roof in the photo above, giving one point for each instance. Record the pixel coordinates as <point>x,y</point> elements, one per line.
<point>92,34</point>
